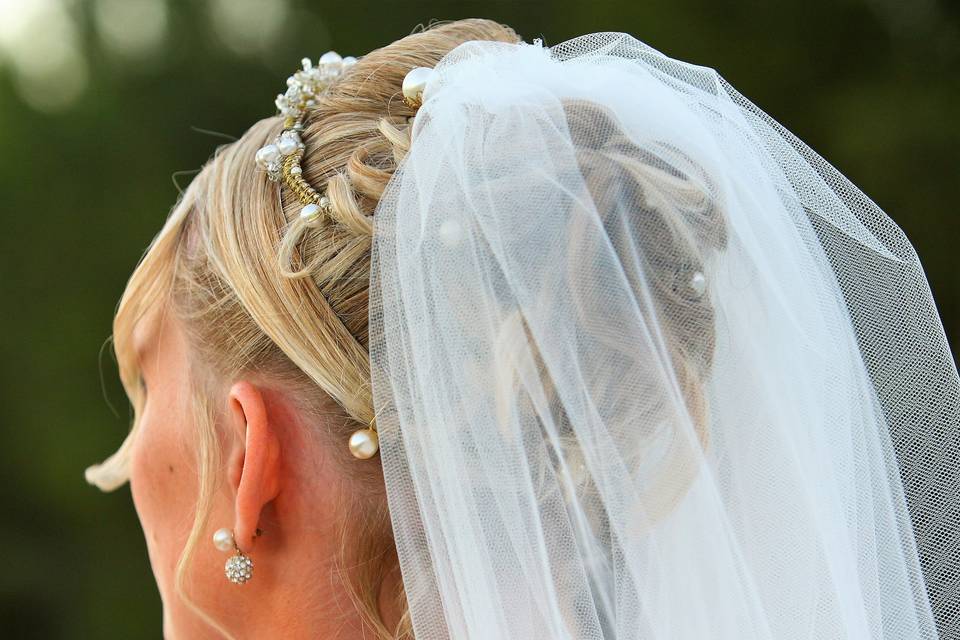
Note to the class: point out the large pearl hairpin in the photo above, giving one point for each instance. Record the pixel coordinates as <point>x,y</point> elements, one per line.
<point>364,443</point>
<point>415,84</point>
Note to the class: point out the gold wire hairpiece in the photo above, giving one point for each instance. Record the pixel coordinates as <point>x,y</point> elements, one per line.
<point>281,157</point>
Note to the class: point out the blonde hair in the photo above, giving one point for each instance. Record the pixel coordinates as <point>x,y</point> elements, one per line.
<point>259,293</point>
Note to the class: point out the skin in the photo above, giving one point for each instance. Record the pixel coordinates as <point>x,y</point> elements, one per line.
<point>271,477</point>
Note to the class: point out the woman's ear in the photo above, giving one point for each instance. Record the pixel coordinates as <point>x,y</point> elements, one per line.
<point>253,466</point>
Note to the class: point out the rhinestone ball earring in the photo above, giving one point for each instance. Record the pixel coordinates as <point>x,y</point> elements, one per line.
<point>239,567</point>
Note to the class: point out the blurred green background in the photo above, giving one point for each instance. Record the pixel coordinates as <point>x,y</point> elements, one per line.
<point>106,105</point>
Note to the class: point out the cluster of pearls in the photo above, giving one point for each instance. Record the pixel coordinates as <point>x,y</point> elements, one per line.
<point>270,157</point>
<point>303,89</point>
<point>281,158</point>
<point>305,85</point>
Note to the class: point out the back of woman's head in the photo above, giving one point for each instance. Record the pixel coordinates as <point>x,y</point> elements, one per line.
<point>261,293</point>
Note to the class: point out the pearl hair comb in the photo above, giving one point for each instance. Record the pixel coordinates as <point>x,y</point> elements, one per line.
<point>281,157</point>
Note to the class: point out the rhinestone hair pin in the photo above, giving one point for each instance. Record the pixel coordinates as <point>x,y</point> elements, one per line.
<point>281,157</point>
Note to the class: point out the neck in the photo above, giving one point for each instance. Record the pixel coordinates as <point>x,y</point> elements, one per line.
<point>295,611</point>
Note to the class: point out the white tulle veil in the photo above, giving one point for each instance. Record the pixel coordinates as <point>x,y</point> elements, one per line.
<point>645,366</point>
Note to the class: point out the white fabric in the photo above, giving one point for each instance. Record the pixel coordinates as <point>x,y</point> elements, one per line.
<point>576,444</point>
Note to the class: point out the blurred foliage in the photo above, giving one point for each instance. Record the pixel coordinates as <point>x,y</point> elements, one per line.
<point>101,102</point>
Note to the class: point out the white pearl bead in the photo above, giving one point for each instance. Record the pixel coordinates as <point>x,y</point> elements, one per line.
<point>415,83</point>
<point>223,540</point>
<point>364,443</point>
<point>450,233</point>
<point>289,142</point>
<point>698,283</point>
<point>349,60</point>
<point>310,212</point>
<point>331,58</point>
<point>268,155</point>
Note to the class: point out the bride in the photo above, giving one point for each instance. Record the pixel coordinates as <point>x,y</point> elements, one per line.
<point>483,339</point>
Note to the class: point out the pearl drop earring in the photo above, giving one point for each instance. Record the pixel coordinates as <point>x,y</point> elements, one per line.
<point>239,567</point>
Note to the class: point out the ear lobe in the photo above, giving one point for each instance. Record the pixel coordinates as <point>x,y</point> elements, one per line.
<point>254,467</point>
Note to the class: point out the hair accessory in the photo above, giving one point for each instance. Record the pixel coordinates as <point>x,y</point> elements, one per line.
<point>281,158</point>
<point>698,284</point>
<point>364,443</point>
<point>414,84</point>
<point>239,567</point>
